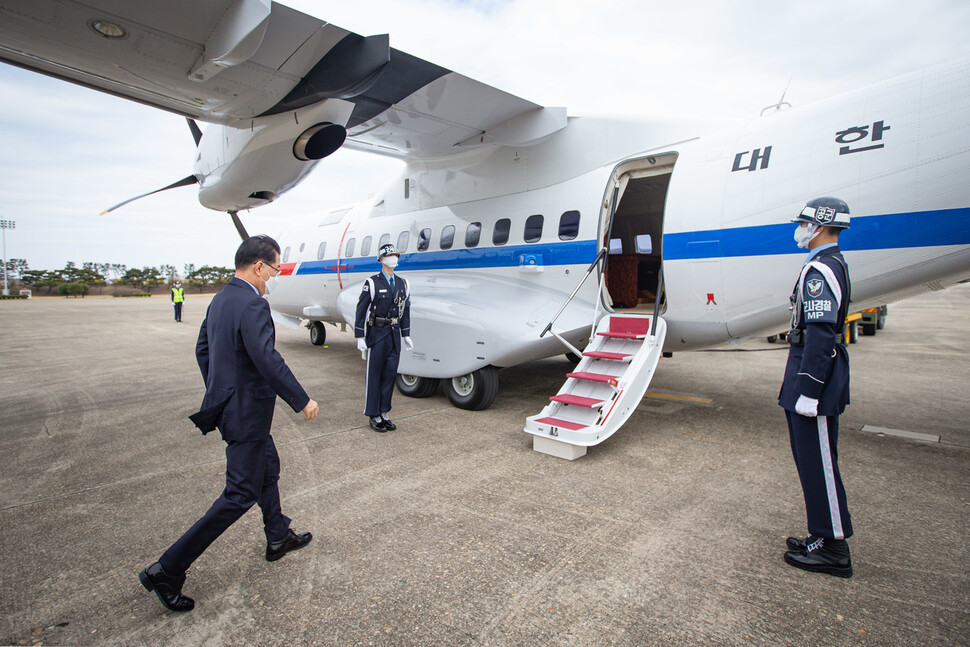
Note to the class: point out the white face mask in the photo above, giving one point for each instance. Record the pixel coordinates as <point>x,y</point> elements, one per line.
<point>268,284</point>
<point>804,235</point>
<point>390,261</point>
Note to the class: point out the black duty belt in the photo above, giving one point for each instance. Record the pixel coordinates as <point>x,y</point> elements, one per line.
<point>797,337</point>
<point>380,322</point>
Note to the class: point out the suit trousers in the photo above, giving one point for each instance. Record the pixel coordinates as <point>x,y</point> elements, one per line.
<point>382,360</point>
<point>814,448</point>
<point>252,473</point>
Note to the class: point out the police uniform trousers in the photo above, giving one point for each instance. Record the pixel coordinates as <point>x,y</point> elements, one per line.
<point>252,473</point>
<point>814,446</point>
<point>178,312</point>
<point>382,360</point>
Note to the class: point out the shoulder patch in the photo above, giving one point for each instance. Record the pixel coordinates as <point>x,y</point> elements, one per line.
<point>815,287</point>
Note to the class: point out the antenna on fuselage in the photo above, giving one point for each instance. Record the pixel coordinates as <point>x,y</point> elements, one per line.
<point>782,104</point>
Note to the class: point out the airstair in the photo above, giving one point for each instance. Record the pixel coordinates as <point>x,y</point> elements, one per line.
<point>604,389</point>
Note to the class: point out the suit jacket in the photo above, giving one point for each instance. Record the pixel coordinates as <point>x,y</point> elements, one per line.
<point>387,303</point>
<point>820,368</point>
<point>242,370</point>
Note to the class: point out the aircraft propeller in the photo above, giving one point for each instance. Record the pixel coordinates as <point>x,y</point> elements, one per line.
<point>186,181</point>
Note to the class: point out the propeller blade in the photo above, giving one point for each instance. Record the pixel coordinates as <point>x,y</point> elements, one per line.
<point>183,182</point>
<point>239,226</point>
<point>196,132</point>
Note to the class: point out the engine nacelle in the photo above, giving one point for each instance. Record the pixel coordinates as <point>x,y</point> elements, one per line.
<point>249,162</point>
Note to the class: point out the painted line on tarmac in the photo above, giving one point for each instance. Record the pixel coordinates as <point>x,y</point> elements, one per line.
<point>674,397</point>
<point>909,435</point>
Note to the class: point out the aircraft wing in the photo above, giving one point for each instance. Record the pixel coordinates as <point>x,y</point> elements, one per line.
<point>222,61</point>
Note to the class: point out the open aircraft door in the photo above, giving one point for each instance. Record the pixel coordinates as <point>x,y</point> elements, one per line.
<point>631,233</point>
<point>617,365</point>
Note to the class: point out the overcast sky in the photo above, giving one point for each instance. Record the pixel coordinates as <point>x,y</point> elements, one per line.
<point>67,153</point>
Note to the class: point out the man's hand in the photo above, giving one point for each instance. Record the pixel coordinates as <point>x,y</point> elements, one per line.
<point>311,410</point>
<point>361,345</point>
<point>408,344</point>
<point>807,407</point>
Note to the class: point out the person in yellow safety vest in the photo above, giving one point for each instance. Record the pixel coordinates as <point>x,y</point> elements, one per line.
<point>177,298</point>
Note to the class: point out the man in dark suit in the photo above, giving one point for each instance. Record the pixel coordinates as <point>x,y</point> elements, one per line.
<point>383,320</point>
<point>243,374</point>
<point>816,387</point>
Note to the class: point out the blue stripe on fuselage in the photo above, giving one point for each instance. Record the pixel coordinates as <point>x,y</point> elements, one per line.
<point>896,230</point>
<point>917,229</point>
<point>564,253</point>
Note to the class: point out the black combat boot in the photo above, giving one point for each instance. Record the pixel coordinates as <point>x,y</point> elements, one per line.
<point>822,555</point>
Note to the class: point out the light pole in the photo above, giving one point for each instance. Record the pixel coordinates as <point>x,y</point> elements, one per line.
<point>5,225</point>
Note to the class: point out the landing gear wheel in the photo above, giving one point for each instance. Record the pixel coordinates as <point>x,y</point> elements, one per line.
<point>318,334</point>
<point>416,387</point>
<point>573,357</point>
<point>474,391</point>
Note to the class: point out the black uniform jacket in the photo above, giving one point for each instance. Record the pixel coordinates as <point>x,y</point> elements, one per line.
<point>387,304</point>
<point>820,368</point>
<point>242,370</point>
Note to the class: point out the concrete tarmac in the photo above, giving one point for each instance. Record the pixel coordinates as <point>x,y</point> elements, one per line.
<point>451,530</point>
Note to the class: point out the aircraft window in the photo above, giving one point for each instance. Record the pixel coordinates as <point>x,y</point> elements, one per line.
<point>447,237</point>
<point>424,240</point>
<point>644,244</point>
<point>569,225</point>
<point>473,234</point>
<point>365,247</point>
<point>302,246</point>
<point>402,241</point>
<point>286,255</point>
<point>385,239</point>
<point>500,235</point>
<point>350,248</point>
<point>533,229</point>
<point>321,250</point>
<point>616,246</point>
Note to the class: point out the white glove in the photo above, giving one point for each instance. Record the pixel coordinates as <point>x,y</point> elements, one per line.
<point>361,345</point>
<point>408,344</point>
<point>807,407</point>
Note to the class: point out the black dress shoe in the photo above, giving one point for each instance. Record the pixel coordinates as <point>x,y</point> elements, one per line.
<point>377,424</point>
<point>796,544</point>
<point>390,426</point>
<point>822,555</point>
<point>292,541</point>
<point>168,588</point>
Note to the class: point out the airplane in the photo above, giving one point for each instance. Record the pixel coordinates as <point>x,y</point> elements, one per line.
<point>525,232</point>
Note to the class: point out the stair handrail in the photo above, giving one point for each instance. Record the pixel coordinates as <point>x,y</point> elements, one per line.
<point>599,256</point>
<point>656,302</point>
<point>589,271</point>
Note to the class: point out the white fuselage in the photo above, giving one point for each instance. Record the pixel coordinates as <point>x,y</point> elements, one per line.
<point>715,204</point>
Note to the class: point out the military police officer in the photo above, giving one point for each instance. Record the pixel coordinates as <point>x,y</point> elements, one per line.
<point>383,319</point>
<point>816,387</point>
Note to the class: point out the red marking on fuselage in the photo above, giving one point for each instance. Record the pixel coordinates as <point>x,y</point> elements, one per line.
<point>287,269</point>
<point>340,282</point>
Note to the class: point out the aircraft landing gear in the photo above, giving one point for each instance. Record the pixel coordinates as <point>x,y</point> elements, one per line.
<point>318,334</point>
<point>416,387</point>
<point>474,391</point>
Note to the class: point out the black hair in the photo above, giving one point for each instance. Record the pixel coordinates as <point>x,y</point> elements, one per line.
<point>256,248</point>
